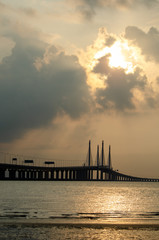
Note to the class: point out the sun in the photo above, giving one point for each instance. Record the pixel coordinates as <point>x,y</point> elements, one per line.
<point>121,56</point>
<point>118,59</point>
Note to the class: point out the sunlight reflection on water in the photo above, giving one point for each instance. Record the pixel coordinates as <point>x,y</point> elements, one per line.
<point>41,205</point>
<point>101,201</point>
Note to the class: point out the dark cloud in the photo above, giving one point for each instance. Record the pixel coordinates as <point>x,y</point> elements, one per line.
<point>29,12</point>
<point>118,92</point>
<point>135,3</point>
<point>88,8</point>
<point>152,101</point>
<point>109,41</point>
<point>31,98</point>
<point>149,3</point>
<point>102,66</point>
<point>2,6</point>
<point>157,80</point>
<point>147,42</point>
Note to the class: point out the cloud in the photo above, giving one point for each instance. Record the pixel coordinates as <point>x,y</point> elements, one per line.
<point>88,8</point>
<point>114,88</point>
<point>147,42</point>
<point>135,3</point>
<point>102,66</point>
<point>30,12</point>
<point>30,97</point>
<point>120,87</point>
<point>39,82</point>
<point>118,91</point>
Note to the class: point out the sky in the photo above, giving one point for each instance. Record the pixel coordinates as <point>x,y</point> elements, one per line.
<point>73,71</point>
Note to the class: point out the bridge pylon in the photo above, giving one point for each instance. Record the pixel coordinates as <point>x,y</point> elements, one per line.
<point>98,163</point>
<point>109,158</point>
<point>102,156</point>
<point>89,159</point>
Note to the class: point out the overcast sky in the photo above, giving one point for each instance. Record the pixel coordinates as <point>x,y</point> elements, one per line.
<point>71,71</point>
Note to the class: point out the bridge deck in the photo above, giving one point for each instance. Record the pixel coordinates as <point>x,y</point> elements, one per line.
<point>70,173</point>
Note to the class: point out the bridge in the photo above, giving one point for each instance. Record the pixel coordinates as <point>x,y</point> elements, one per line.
<point>100,171</point>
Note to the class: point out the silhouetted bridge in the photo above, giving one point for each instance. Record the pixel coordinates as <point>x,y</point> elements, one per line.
<point>87,172</point>
<point>84,173</point>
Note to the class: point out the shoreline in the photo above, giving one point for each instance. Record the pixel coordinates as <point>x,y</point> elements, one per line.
<point>96,225</point>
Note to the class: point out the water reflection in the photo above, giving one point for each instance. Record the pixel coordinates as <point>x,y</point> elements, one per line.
<point>80,201</point>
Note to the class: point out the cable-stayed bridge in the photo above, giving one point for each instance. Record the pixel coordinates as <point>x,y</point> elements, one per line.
<point>16,167</point>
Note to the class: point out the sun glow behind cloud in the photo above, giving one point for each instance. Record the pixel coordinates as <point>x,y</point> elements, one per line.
<point>120,56</point>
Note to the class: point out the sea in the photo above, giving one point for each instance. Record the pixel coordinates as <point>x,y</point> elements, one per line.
<point>52,210</point>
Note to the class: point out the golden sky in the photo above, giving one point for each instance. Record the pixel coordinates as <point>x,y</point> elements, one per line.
<point>71,71</point>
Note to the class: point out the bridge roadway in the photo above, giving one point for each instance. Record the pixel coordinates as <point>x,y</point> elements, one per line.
<point>79,173</point>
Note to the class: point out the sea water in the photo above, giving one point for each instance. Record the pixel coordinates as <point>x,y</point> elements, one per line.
<point>78,210</point>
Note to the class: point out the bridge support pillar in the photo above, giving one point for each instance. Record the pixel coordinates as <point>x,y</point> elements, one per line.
<point>110,177</point>
<point>12,175</point>
<point>32,175</point>
<point>91,174</point>
<point>74,175</point>
<point>62,171</point>
<point>101,177</point>
<point>2,174</point>
<point>57,174</point>
<point>88,174</point>
<point>46,175</point>
<point>52,174</point>
<point>70,175</point>
<point>97,175</point>
<point>106,176</point>
<point>40,175</point>
<point>19,175</point>
<point>28,175</point>
<point>78,175</point>
<point>23,175</point>
<point>66,174</point>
